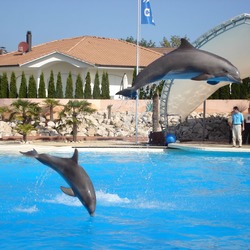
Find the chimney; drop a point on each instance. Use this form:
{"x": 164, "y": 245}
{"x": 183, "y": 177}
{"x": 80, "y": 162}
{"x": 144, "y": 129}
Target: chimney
{"x": 29, "y": 40}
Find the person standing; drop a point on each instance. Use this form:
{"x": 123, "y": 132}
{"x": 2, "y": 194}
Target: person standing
{"x": 238, "y": 126}
{"x": 246, "y": 134}
{"x": 230, "y": 125}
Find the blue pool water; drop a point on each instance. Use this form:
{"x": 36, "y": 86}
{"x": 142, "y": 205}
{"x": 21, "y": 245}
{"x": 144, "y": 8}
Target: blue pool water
{"x": 164, "y": 200}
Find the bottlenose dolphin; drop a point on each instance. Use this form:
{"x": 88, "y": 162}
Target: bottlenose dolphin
{"x": 186, "y": 62}
{"x": 78, "y": 180}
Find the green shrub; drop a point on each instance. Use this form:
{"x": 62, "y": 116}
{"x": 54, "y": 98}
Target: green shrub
{"x": 51, "y": 86}
{"x": 87, "y": 89}
{"x": 23, "y": 87}
{"x": 59, "y": 88}
{"x": 79, "y": 87}
{"x": 13, "y": 88}
{"x": 41, "y": 89}
{"x": 69, "y": 87}
{"x": 32, "y": 92}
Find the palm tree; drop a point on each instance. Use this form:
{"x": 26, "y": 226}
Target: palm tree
{"x": 3, "y": 110}
{"x": 71, "y": 110}
{"x": 155, "y": 115}
{"x": 51, "y": 103}
{"x": 25, "y": 112}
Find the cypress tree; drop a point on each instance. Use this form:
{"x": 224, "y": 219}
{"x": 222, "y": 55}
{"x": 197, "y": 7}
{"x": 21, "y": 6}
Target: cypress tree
{"x": 23, "y": 87}
{"x": 5, "y": 86}
{"x": 51, "y": 87}
{"x": 32, "y": 92}
{"x": 235, "y": 91}
{"x": 0, "y": 86}
{"x": 87, "y": 89}
{"x": 41, "y": 89}
{"x": 105, "y": 86}
{"x": 224, "y": 93}
{"x": 244, "y": 89}
{"x": 69, "y": 87}
{"x": 79, "y": 87}
{"x": 13, "y": 88}
{"x": 59, "y": 88}
{"x": 96, "y": 90}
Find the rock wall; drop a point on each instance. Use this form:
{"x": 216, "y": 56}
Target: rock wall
{"x": 213, "y": 128}
{"x": 122, "y": 124}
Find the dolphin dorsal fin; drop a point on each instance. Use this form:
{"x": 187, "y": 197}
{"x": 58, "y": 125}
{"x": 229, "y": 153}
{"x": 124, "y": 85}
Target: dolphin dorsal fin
{"x": 75, "y": 156}
{"x": 185, "y": 44}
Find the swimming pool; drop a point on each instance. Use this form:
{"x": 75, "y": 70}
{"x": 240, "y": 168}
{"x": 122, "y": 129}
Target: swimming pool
{"x": 145, "y": 200}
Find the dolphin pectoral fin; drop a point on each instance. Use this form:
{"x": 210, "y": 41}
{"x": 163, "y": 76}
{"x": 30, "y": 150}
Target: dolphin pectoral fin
{"x": 32, "y": 153}
{"x": 202, "y": 77}
{"x": 128, "y": 92}
{"x": 68, "y": 191}
{"x": 212, "y": 82}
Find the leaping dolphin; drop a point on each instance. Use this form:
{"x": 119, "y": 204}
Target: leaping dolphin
{"x": 186, "y": 62}
{"x": 78, "y": 180}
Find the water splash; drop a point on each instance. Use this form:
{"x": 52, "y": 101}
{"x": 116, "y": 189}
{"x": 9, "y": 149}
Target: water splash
{"x": 111, "y": 199}
{"x": 108, "y": 198}
{"x": 28, "y": 210}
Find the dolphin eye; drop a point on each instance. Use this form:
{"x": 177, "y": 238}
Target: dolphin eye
{"x": 225, "y": 70}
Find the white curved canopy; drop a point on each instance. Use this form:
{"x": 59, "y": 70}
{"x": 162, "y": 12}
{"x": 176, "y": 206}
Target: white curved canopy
{"x": 230, "y": 40}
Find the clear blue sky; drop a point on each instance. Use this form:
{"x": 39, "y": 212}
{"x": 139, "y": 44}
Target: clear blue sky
{"x": 50, "y": 20}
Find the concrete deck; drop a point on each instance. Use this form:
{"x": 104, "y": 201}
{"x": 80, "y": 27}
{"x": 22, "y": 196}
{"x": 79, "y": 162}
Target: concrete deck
{"x": 208, "y": 146}
{"x": 54, "y": 146}
{"x": 110, "y": 145}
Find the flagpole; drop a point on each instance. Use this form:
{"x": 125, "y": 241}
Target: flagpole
{"x": 137, "y": 68}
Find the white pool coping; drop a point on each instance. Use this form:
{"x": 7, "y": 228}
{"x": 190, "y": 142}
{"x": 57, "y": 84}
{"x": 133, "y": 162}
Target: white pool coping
{"x": 209, "y": 147}
{"x": 16, "y": 148}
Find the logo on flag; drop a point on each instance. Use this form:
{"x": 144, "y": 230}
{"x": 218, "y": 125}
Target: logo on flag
{"x": 146, "y": 13}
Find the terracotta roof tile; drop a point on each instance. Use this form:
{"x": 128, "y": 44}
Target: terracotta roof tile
{"x": 94, "y": 50}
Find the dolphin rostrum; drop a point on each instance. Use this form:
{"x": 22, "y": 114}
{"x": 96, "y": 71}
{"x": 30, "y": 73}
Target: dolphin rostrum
{"x": 78, "y": 180}
{"x": 186, "y": 62}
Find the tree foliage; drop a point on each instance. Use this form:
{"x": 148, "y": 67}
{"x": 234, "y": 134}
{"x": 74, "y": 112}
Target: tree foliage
{"x": 71, "y": 111}
{"x": 59, "y": 87}
{"x": 87, "y": 89}
{"x": 174, "y": 41}
{"x": 51, "y": 86}
{"x": 79, "y": 87}
{"x": 26, "y": 113}
{"x": 42, "y": 89}
{"x": 96, "y": 89}
{"x": 4, "y": 86}
{"x": 32, "y": 90}
{"x": 51, "y": 103}
{"x": 105, "y": 86}
{"x": 23, "y": 87}
{"x": 13, "y": 88}
{"x": 143, "y": 42}
{"x": 238, "y": 91}
{"x": 69, "y": 87}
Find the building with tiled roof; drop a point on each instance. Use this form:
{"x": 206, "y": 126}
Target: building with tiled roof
{"x": 77, "y": 55}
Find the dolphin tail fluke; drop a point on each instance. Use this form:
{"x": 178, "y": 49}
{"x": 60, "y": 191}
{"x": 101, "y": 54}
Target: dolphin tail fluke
{"x": 129, "y": 92}
{"x": 32, "y": 153}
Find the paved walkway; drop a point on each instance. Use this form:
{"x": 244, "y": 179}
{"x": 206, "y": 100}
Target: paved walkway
{"x": 50, "y": 146}
{"x": 209, "y": 146}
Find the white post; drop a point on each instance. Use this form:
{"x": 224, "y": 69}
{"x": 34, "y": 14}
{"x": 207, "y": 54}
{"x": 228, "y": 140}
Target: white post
{"x": 137, "y": 69}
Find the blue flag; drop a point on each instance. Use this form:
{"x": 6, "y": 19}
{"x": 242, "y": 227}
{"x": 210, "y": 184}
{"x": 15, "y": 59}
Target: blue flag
{"x": 146, "y": 13}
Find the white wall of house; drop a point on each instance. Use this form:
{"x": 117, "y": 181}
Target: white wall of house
{"x": 115, "y": 74}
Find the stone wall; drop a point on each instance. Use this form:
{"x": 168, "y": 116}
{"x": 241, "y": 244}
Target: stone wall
{"x": 122, "y": 124}
{"x": 213, "y": 128}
